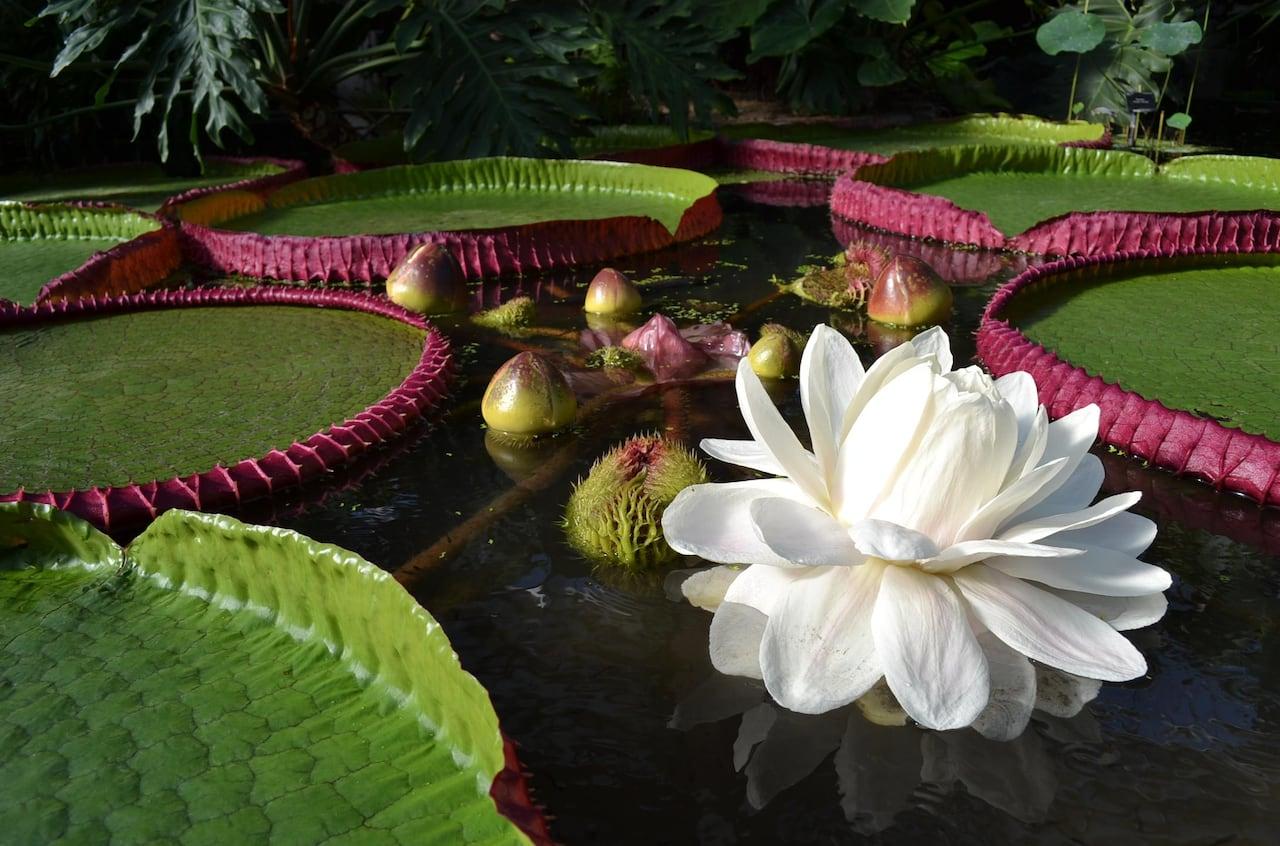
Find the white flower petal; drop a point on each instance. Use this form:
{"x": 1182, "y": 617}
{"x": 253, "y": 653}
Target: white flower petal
{"x": 818, "y": 653}
{"x": 934, "y": 342}
{"x": 1030, "y": 449}
{"x": 762, "y": 587}
{"x": 931, "y": 658}
{"x": 963, "y": 554}
{"x": 882, "y": 438}
{"x": 891, "y": 542}
{"x": 1101, "y": 571}
{"x": 883, "y": 370}
{"x": 772, "y": 432}
{"x": 1069, "y": 437}
{"x": 705, "y": 589}
{"x": 1034, "y": 530}
{"x": 1009, "y": 501}
{"x": 1013, "y": 691}
{"x": 957, "y": 466}
{"x": 1061, "y": 694}
{"x": 1047, "y": 628}
{"x": 830, "y": 373}
{"x": 972, "y": 379}
{"x": 1125, "y": 532}
{"x": 736, "y": 631}
{"x": 803, "y": 535}
{"x": 1122, "y": 613}
{"x": 747, "y": 454}
{"x": 714, "y": 521}
{"x": 1019, "y": 388}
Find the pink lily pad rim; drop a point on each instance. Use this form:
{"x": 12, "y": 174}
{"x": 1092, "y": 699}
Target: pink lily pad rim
{"x": 114, "y": 507}
{"x": 1173, "y": 439}
{"x": 859, "y": 198}
{"x": 291, "y": 170}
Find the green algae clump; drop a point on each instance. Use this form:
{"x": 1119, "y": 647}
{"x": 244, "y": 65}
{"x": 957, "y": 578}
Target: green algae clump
{"x": 511, "y": 315}
{"x": 614, "y": 515}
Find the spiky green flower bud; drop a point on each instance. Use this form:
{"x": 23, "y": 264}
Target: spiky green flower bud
{"x": 614, "y": 515}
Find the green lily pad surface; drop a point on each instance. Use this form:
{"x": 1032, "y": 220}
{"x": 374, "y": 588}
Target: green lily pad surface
{"x": 973, "y": 129}
{"x": 221, "y": 683}
{"x": 475, "y": 194}
{"x": 150, "y": 395}
{"x": 141, "y": 186}
{"x": 1199, "y": 336}
{"x": 39, "y": 243}
{"x": 1018, "y": 187}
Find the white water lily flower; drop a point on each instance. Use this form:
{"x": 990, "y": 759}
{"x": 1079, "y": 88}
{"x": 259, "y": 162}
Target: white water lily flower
{"x": 938, "y": 535}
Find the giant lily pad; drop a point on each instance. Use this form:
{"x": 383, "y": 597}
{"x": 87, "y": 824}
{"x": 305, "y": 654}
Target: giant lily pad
{"x": 1180, "y": 352}
{"x": 1016, "y": 197}
{"x": 118, "y": 409}
{"x": 145, "y": 186}
{"x": 886, "y": 141}
{"x": 219, "y": 682}
{"x": 499, "y": 215}
{"x": 41, "y": 243}
{"x": 652, "y": 145}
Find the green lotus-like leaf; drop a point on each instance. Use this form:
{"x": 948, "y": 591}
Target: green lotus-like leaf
{"x": 1117, "y": 322}
{"x": 41, "y": 242}
{"x": 146, "y": 395}
{"x": 974, "y": 129}
{"x": 1019, "y": 186}
{"x": 141, "y": 186}
{"x": 1170, "y": 39}
{"x": 219, "y": 682}
{"x": 1072, "y": 31}
{"x": 475, "y": 194}
{"x": 1178, "y": 120}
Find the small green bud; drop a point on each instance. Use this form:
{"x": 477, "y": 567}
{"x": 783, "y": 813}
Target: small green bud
{"x": 610, "y": 292}
{"x": 528, "y": 396}
{"x": 909, "y": 293}
{"x": 428, "y": 281}
{"x": 775, "y": 356}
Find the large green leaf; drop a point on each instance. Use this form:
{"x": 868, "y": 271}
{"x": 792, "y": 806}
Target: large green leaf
{"x": 151, "y": 395}
{"x": 220, "y": 682}
{"x": 197, "y": 53}
{"x": 789, "y": 26}
{"x": 1170, "y": 38}
{"x": 1073, "y": 31}
{"x": 1018, "y": 187}
{"x": 38, "y": 243}
{"x": 476, "y": 194}
{"x": 1146, "y": 327}
{"x": 889, "y": 11}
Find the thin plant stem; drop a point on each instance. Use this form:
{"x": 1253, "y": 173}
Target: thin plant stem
{"x": 1191, "y": 89}
{"x": 1075, "y": 76}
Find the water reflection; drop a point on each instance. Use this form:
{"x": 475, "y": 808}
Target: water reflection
{"x": 883, "y": 770}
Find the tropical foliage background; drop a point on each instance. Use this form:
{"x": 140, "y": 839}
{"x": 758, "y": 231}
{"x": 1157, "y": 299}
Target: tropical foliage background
{"x": 474, "y": 77}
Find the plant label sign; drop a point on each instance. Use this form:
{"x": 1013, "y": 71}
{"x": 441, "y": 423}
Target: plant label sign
{"x": 1141, "y": 102}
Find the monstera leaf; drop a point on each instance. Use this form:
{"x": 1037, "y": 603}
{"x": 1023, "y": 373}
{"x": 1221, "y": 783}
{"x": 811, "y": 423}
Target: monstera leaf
{"x": 219, "y": 681}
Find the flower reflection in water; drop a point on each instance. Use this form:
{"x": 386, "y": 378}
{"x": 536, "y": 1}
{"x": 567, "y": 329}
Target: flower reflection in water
{"x": 883, "y": 766}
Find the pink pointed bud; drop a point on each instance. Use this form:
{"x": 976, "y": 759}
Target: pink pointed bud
{"x": 428, "y": 281}
{"x": 909, "y": 293}
{"x": 611, "y": 293}
{"x": 666, "y": 353}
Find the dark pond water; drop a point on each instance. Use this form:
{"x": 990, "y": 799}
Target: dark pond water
{"x": 587, "y": 672}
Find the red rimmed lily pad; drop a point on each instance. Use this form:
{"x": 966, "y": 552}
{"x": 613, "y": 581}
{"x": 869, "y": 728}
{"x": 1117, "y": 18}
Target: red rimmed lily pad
{"x": 1052, "y": 200}
{"x": 497, "y": 216}
{"x": 119, "y": 409}
{"x": 1178, "y": 349}
{"x": 147, "y": 186}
